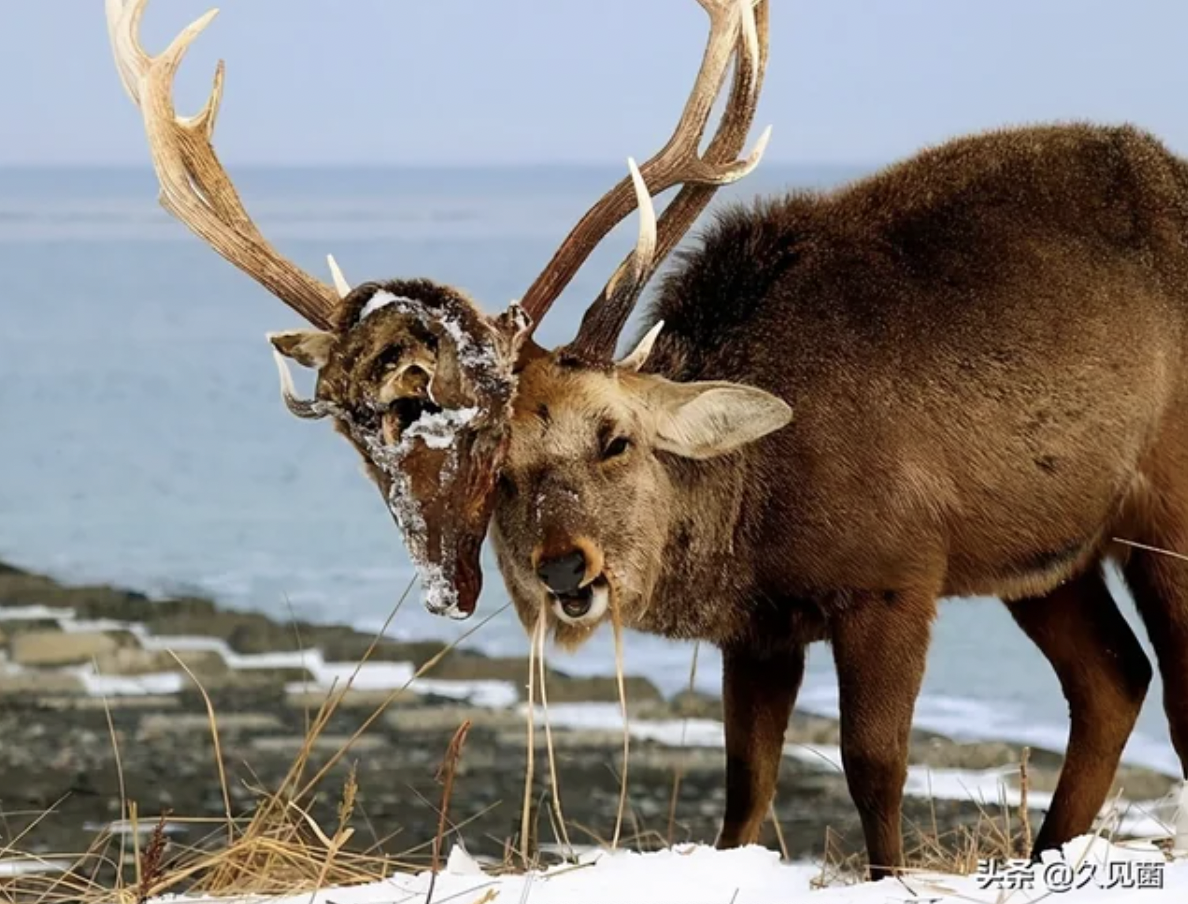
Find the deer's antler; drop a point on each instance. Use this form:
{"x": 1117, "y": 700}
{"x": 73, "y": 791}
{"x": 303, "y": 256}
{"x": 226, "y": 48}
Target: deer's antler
{"x": 194, "y": 186}
{"x": 738, "y": 32}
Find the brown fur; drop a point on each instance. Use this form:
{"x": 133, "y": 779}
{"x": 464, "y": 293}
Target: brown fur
{"x": 983, "y": 350}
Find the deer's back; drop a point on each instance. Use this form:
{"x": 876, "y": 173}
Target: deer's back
{"x": 981, "y": 345}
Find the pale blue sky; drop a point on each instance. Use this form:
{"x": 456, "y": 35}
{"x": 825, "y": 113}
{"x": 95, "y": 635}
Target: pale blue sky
{"x": 589, "y": 81}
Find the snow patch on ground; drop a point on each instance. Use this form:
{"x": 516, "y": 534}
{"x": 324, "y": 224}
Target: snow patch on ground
{"x": 967, "y": 719}
{"x": 487, "y": 694}
{"x": 146, "y": 828}
{"x": 129, "y": 685}
{"x": 1139, "y": 819}
{"x": 701, "y": 875}
{"x": 33, "y": 613}
{"x": 324, "y": 676}
{"x": 13, "y": 867}
{"x": 399, "y": 675}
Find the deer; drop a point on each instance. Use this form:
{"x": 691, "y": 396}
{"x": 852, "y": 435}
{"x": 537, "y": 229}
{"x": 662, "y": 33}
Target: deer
{"x": 957, "y": 376}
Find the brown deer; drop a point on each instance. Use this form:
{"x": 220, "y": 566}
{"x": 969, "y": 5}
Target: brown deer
{"x": 982, "y": 349}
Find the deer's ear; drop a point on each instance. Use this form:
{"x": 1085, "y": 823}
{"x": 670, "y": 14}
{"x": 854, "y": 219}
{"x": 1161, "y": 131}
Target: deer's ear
{"x": 310, "y": 348}
{"x": 702, "y": 420}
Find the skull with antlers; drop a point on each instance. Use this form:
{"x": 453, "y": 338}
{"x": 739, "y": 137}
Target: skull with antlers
{"x": 412, "y": 372}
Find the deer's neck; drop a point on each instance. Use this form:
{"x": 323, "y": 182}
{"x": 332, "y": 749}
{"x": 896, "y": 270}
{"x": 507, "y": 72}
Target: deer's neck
{"x": 705, "y": 576}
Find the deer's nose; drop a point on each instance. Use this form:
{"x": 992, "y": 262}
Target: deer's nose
{"x": 563, "y": 574}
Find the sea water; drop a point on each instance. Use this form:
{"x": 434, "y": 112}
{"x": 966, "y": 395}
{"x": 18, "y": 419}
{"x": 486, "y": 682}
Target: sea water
{"x": 143, "y": 440}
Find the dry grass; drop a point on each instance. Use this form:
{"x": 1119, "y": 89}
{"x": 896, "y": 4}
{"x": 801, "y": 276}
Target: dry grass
{"x": 954, "y": 852}
{"x": 445, "y": 775}
{"x": 526, "y": 834}
{"x": 279, "y": 848}
{"x": 678, "y": 773}
{"x": 617, "y": 624}
{"x": 558, "y": 816}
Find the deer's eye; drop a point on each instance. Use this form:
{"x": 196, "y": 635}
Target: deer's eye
{"x": 615, "y": 447}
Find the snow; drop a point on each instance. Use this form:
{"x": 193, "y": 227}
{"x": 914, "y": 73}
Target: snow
{"x": 184, "y": 643}
{"x": 129, "y": 685}
{"x": 324, "y": 676}
{"x": 701, "y": 875}
{"x": 370, "y": 676}
{"x": 1180, "y": 819}
{"x": 488, "y": 694}
{"x": 438, "y": 430}
{"x": 441, "y": 597}
{"x": 1140, "y": 819}
{"x": 125, "y": 827}
{"x": 32, "y": 613}
{"x": 385, "y": 676}
{"x": 380, "y": 299}
{"x": 12, "y": 867}
{"x": 994, "y": 719}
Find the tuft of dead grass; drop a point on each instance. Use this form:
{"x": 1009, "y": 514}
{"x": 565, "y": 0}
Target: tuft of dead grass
{"x": 278, "y": 848}
{"x": 678, "y": 774}
{"x": 560, "y": 831}
{"x": 617, "y": 625}
{"x": 954, "y": 852}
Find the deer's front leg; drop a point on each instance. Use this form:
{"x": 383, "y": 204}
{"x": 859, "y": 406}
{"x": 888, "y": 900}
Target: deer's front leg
{"x": 880, "y": 645}
{"x": 757, "y": 695}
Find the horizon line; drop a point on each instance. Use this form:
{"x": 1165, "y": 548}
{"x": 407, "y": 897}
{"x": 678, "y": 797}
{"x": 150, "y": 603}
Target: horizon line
{"x": 461, "y": 165}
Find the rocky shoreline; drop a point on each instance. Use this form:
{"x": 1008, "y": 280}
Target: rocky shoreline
{"x": 68, "y": 744}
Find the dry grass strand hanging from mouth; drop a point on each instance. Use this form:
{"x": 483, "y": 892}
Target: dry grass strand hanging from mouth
{"x": 679, "y": 773}
{"x": 544, "y": 704}
{"x": 617, "y": 623}
{"x": 530, "y": 767}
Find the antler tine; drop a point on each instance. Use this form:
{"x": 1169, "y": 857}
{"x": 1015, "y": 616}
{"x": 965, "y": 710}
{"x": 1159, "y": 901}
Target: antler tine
{"x": 732, "y": 27}
{"x": 194, "y": 186}
{"x": 631, "y": 271}
{"x": 130, "y": 59}
{"x": 603, "y": 322}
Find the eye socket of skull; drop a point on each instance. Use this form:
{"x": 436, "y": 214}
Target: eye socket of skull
{"x": 408, "y": 349}
{"x": 450, "y": 386}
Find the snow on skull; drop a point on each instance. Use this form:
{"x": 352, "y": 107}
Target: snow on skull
{"x": 421, "y": 382}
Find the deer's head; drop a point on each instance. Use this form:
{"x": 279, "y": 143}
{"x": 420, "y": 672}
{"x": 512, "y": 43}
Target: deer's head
{"x": 424, "y": 384}
{"x": 586, "y": 497}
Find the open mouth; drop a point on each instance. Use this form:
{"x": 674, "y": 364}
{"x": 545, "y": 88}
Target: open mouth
{"x": 586, "y": 603}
